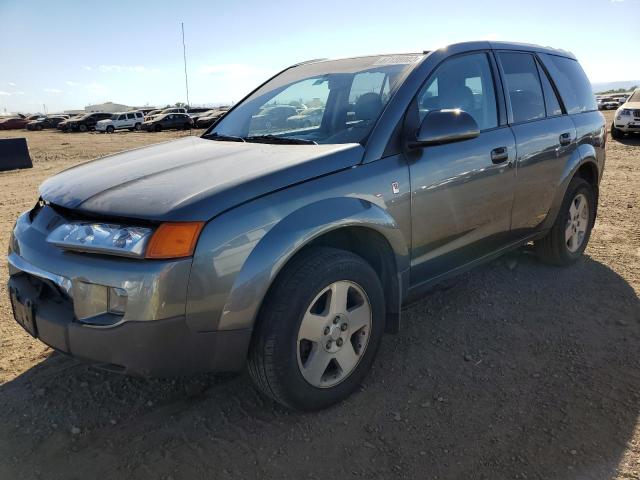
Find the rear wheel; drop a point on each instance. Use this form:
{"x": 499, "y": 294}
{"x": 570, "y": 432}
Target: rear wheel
{"x": 187, "y": 126}
{"x": 82, "y": 127}
{"x": 137, "y": 127}
{"x": 319, "y": 329}
{"x": 616, "y": 133}
{"x": 157, "y": 128}
{"x": 568, "y": 238}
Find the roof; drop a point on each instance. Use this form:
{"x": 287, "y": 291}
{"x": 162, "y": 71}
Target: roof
{"x": 473, "y": 45}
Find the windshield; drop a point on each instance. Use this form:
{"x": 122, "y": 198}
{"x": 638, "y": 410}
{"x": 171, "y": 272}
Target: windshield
{"x": 114, "y": 116}
{"x": 347, "y": 95}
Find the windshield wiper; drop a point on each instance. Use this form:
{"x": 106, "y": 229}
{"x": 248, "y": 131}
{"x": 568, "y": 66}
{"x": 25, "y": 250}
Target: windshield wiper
{"x": 280, "y": 140}
{"x": 224, "y": 138}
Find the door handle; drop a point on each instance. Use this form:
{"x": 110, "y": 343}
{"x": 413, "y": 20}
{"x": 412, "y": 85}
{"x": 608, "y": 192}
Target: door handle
{"x": 499, "y": 155}
{"x": 565, "y": 139}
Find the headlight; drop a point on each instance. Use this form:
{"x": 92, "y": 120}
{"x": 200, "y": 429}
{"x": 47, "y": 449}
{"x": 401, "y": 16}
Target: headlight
{"x": 102, "y": 238}
{"x": 169, "y": 240}
{"x": 625, "y": 112}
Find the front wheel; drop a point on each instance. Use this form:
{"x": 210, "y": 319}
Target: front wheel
{"x": 568, "y": 238}
{"x": 82, "y": 128}
{"x": 319, "y": 329}
{"x": 110, "y": 129}
{"x": 158, "y": 128}
{"x": 616, "y": 133}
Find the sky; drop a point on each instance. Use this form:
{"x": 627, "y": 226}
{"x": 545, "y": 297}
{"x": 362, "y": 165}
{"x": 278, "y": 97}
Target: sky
{"x": 66, "y": 54}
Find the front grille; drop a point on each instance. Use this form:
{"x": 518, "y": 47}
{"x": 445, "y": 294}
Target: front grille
{"x": 636, "y": 113}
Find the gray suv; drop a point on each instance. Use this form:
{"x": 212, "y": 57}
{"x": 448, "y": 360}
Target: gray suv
{"x": 291, "y": 249}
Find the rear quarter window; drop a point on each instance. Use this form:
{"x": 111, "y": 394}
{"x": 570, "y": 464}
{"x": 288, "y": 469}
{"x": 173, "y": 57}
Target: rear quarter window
{"x": 572, "y": 82}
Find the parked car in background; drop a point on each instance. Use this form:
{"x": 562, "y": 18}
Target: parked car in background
{"x": 83, "y": 123}
{"x": 168, "y": 121}
{"x": 273, "y": 117}
{"x": 309, "y": 117}
{"x": 627, "y": 118}
{"x": 151, "y": 114}
{"x": 121, "y": 121}
{"x": 196, "y": 111}
{"x": 208, "y": 118}
{"x": 607, "y": 103}
{"x": 45, "y": 122}
{"x": 14, "y": 123}
{"x": 145, "y": 111}
{"x": 33, "y": 117}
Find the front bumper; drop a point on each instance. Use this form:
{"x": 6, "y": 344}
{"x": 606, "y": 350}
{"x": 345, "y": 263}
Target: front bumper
{"x": 153, "y": 338}
{"x": 160, "y": 348}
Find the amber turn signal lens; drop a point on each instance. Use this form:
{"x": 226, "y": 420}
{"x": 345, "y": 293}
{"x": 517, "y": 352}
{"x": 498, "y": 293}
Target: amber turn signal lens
{"x": 174, "y": 240}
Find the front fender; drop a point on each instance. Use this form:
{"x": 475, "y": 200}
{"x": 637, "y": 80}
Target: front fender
{"x": 291, "y": 234}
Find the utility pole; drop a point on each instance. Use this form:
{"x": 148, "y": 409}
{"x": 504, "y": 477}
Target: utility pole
{"x": 184, "y": 54}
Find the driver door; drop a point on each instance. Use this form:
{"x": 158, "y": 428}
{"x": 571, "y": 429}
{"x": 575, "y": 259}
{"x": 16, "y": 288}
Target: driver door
{"x": 461, "y": 192}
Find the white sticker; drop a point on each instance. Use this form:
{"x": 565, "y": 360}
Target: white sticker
{"x": 397, "y": 59}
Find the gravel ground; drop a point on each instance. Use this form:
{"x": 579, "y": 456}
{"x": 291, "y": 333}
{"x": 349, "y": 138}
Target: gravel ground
{"x": 514, "y": 370}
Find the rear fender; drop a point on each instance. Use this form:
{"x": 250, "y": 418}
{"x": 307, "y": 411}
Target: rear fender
{"x": 584, "y": 154}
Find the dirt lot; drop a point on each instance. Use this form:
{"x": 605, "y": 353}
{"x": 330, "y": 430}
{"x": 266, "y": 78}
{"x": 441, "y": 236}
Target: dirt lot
{"x": 518, "y": 371}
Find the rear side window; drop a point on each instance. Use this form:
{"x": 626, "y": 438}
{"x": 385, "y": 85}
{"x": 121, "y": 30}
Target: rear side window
{"x": 130, "y": 116}
{"x": 551, "y": 102}
{"x": 523, "y": 84}
{"x": 572, "y": 82}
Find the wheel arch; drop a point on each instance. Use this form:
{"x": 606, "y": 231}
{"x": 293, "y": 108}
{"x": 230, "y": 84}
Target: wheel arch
{"x": 582, "y": 164}
{"x": 351, "y": 224}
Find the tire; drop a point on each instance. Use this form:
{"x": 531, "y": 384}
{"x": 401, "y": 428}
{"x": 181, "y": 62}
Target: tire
{"x": 82, "y": 127}
{"x": 110, "y": 129}
{"x": 137, "y": 127}
{"x": 554, "y": 248}
{"x": 280, "y": 362}
{"x": 187, "y": 126}
{"x": 616, "y": 133}
{"x": 157, "y": 128}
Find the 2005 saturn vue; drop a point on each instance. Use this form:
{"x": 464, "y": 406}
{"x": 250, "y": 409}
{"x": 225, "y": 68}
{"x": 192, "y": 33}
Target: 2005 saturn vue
{"x": 291, "y": 250}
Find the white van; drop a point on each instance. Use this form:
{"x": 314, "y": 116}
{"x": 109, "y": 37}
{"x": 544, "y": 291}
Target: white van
{"x": 119, "y": 121}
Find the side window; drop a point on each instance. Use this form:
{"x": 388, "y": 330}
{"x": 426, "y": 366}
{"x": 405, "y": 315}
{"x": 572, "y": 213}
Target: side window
{"x": 367, "y": 96}
{"x": 139, "y": 114}
{"x": 130, "y": 116}
{"x": 463, "y": 82}
{"x": 523, "y": 84}
{"x": 572, "y": 82}
{"x": 122, "y": 117}
{"x": 551, "y": 102}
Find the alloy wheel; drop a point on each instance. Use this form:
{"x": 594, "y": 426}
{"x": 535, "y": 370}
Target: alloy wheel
{"x": 577, "y": 223}
{"x": 334, "y": 334}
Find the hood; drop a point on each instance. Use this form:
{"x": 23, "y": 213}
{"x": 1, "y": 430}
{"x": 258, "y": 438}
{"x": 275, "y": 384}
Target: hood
{"x": 106, "y": 121}
{"x": 631, "y": 105}
{"x": 191, "y": 179}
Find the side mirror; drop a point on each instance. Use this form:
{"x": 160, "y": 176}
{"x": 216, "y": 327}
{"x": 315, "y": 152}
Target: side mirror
{"x": 445, "y": 126}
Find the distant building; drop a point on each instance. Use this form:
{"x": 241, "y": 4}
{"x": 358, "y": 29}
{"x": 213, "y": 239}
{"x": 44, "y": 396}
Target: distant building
{"x": 107, "y": 107}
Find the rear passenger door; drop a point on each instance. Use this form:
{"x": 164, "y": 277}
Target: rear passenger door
{"x": 545, "y": 137}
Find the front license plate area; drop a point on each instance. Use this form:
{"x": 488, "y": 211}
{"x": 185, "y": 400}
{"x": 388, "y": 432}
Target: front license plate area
{"x": 24, "y": 310}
